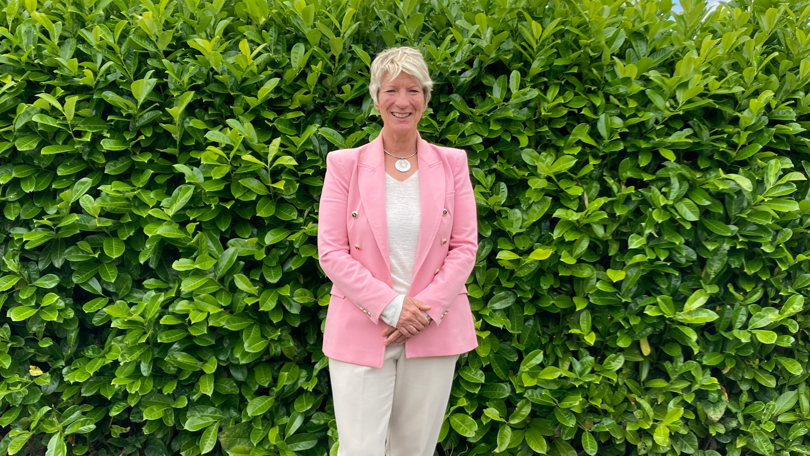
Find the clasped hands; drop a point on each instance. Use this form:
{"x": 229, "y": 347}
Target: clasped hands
{"x": 411, "y": 322}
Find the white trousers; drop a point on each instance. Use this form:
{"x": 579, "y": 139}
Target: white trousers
{"x": 396, "y": 410}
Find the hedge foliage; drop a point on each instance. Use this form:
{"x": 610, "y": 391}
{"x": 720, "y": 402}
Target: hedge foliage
{"x": 641, "y": 182}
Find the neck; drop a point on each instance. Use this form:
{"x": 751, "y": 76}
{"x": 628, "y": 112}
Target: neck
{"x": 400, "y": 145}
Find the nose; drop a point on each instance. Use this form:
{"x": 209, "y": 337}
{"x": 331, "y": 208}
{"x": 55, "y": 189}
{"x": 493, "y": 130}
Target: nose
{"x": 402, "y": 99}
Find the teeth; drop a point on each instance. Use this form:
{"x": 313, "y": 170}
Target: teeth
{"x": 400, "y": 115}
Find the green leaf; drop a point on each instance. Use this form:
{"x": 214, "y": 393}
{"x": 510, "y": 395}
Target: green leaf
{"x": 697, "y": 316}
{"x": 463, "y": 424}
{"x": 471, "y": 375}
{"x": 565, "y": 417}
{"x": 27, "y": 143}
{"x": 114, "y": 247}
{"x": 18, "y": 442}
{"x": 255, "y": 186}
{"x": 688, "y": 210}
{"x": 301, "y": 442}
{"x": 661, "y": 435}
{"x": 764, "y": 336}
{"x": 47, "y": 281}
{"x": 765, "y": 378}
{"x": 696, "y": 300}
{"x": 206, "y": 383}
{"x": 536, "y": 440}
{"x": 603, "y": 125}
{"x": 502, "y": 300}
{"x": 172, "y": 335}
{"x": 564, "y": 448}
{"x": 303, "y": 403}
{"x": 259, "y": 405}
{"x": 275, "y": 235}
{"x": 208, "y": 440}
{"x": 263, "y": 374}
{"x": 532, "y": 359}
{"x": 178, "y": 200}
{"x": 504, "y": 437}
{"x": 763, "y": 441}
{"x": 56, "y": 149}
{"x": 244, "y": 284}
{"x": 589, "y": 443}
{"x": 21, "y": 313}
{"x": 225, "y": 261}
{"x": 717, "y": 227}
{"x": 95, "y": 305}
{"x": 6, "y": 282}
{"x": 792, "y": 366}
{"x": 332, "y": 136}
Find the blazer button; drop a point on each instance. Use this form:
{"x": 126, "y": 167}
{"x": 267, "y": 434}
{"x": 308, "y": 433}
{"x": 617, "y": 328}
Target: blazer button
{"x": 444, "y": 241}
{"x": 435, "y": 272}
{"x": 354, "y": 214}
{"x": 357, "y": 246}
{"x": 444, "y": 212}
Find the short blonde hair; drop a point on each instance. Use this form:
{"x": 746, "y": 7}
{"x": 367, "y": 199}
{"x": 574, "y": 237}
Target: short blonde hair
{"x": 394, "y": 60}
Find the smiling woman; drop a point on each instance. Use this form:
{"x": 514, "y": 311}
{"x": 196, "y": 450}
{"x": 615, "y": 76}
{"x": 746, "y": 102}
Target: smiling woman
{"x": 397, "y": 236}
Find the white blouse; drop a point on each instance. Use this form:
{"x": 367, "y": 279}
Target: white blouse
{"x": 402, "y": 208}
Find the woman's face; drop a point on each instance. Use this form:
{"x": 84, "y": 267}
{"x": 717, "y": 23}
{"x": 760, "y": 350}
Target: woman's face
{"x": 401, "y": 103}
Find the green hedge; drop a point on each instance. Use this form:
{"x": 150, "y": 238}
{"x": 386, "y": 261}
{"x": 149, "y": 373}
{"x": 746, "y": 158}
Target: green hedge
{"x": 641, "y": 181}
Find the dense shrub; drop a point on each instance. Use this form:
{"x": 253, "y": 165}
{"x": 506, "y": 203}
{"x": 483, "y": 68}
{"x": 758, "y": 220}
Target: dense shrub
{"x": 642, "y": 193}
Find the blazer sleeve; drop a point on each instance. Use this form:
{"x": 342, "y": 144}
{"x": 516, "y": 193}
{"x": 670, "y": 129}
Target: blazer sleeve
{"x": 460, "y": 260}
{"x": 368, "y": 293}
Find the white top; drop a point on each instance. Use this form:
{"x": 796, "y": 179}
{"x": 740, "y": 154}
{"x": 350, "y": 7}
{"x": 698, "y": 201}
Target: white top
{"x": 402, "y": 209}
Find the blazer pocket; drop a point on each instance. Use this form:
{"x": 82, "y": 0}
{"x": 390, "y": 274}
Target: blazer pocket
{"x": 336, "y": 292}
{"x": 449, "y": 202}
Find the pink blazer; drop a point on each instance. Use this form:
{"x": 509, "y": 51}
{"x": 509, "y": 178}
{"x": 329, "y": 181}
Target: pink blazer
{"x": 353, "y": 252}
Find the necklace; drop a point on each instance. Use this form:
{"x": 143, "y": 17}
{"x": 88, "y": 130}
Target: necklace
{"x": 402, "y": 165}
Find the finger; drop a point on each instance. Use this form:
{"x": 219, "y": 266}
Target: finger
{"x": 418, "y": 319}
{"x": 410, "y": 329}
{"x": 388, "y": 330}
{"x": 401, "y": 339}
{"x": 390, "y": 340}
{"x": 413, "y": 324}
{"x": 422, "y": 319}
{"x": 421, "y": 305}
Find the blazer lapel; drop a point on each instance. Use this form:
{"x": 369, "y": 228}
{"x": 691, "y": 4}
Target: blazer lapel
{"x": 431, "y": 196}
{"x": 371, "y": 182}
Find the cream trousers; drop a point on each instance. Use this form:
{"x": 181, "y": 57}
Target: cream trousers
{"x": 396, "y": 410}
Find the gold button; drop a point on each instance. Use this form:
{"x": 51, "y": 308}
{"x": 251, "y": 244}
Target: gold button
{"x": 444, "y": 212}
{"x": 357, "y": 246}
{"x": 435, "y": 272}
{"x": 354, "y": 214}
{"x": 444, "y": 241}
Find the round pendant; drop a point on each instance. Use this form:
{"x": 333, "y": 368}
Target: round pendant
{"x": 403, "y": 166}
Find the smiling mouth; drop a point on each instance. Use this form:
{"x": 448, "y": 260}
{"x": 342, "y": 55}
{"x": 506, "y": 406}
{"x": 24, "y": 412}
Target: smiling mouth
{"x": 400, "y": 116}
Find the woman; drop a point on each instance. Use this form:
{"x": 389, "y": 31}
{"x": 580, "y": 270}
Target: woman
{"x": 397, "y": 236}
